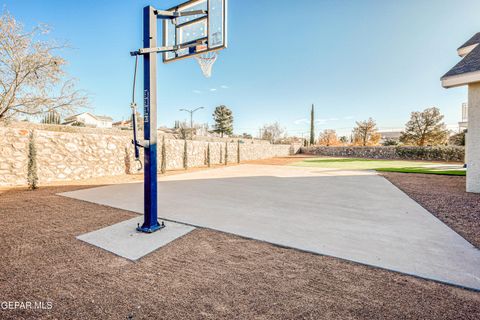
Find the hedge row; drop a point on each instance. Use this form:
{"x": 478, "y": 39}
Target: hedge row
{"x": 438, "y": 153}
{"x": 445, "y": 153}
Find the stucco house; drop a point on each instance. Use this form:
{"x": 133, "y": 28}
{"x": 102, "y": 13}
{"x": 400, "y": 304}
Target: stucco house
{"x": 89, "y": 120}
{"x": 463, "y": 124}
{"x": 393, "y": 135}
{"x": 123, "y": 124}
{"x": 467, "y": 73}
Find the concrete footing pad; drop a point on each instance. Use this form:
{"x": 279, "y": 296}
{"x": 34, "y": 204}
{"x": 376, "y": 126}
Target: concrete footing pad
{"x": 123, "y": 240}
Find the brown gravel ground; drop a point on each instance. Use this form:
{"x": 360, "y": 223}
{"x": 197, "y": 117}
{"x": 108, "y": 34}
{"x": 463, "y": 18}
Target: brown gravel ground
{"x": 446, "y": 198}
{"x": 203, "y": 275}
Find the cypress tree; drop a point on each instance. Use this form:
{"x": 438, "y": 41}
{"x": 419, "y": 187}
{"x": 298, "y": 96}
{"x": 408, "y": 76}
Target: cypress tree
{"x": 51, "y": 117}
{"x": 208, "y": 155}
{"x": 163, "y": 167}
{"x": 128, "y": 163}
{"x": 226, "y": 153}
{"x": 185, "y": 155}
{"x": 238, "y": 151}
{"x": 312, "y": 125}
{"x": 32, "y": 176}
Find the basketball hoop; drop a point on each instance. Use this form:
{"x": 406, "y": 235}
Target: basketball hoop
{"x": 206, "y": 61}
{"x": 196, "y": 28}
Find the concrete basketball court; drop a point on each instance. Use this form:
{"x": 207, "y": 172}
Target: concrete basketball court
{"x": 353, "y": 215}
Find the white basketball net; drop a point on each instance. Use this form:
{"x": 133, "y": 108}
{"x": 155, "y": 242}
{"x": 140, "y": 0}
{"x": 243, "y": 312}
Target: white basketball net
{"x": 206, "y": 61}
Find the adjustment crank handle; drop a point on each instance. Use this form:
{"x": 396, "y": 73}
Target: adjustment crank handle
{"x": 141, "y": 143}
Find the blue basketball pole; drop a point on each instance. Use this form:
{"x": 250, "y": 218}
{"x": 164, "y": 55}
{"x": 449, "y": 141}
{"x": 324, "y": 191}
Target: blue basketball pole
{"x": 150, "y": 223}
{"x": 149, "y": 53}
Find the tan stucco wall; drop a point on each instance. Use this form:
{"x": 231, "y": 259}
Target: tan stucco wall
{"x": 473, "y": 141}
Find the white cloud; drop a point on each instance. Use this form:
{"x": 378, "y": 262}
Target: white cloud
{"x": 325, "y": 120}
{"x": 224, "y": 86}
{"x": 213, "y": 89}
{"x": 197, "y": 91}
{"x": 300, "y": 121}
{"x": 319, "y": 121}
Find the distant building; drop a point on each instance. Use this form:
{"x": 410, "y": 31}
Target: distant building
{"x": 199, "y": 129}
{"x": 88, "y": 119}
{"x": 463, "y": 125}
{"x": 390, "y": 135}
{"x": 124, "y": 124}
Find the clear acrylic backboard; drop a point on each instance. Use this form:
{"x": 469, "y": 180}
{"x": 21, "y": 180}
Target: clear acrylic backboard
{"x": 208, "y": 29}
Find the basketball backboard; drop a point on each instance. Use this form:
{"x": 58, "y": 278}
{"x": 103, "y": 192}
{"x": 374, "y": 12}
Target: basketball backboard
{"x": 209, "y": 29}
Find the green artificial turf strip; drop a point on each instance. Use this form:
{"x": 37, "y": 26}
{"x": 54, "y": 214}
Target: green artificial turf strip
{"x": 358, "y": 164}
{"x": 340, "y": 160}
{"x": 424, "y": 171}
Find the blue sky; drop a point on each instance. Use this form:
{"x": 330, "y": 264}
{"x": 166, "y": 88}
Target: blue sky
{"x": 353, "y": 59}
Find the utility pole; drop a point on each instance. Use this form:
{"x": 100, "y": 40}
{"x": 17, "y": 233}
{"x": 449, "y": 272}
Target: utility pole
{"x": 191, "y": 119}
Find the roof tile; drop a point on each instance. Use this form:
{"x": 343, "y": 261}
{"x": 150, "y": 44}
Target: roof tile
{"x": 473, "y": 40}
{"x": 470, "y": 63}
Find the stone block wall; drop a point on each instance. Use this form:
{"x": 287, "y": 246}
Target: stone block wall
{"x": 13, "y": 157}
{"x": 82, "y": 155}
{"x": 440, "y": 153}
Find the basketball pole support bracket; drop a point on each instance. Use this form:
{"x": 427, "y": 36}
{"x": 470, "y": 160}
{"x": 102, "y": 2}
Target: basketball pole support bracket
{"x": 185, "y": 45}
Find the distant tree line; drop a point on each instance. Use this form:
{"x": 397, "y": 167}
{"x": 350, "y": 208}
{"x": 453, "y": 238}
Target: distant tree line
{"x": 425, "y": 128}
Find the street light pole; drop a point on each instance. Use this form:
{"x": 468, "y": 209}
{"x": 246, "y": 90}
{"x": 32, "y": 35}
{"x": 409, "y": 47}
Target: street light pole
{"x": 192, "y": 111}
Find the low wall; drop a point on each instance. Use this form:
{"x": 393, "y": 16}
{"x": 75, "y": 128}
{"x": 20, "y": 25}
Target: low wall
{"x": 440, "y": 153}
{"x": 82, "y": 155}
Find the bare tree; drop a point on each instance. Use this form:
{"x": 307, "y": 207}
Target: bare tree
{"x": 328, "y": 138}
{"x": 365, "y": 133}
{"x": 273, "y": 132}
{"x": 32, "y": 79}
{"x": 425, "y": 128}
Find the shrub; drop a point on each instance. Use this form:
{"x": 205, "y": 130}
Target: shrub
{"x": 390, "y": 142}
{"x": 185, "y": 155}
{"x": 128, "y": 163}
{"x": 446, "y": 153}
{"x": 458, "y": 139}
{"x": 163, "y": 166}
{"x": 32, "y": 176}
{"x": 208, "y": 155}
{"x": 226, "y": 153}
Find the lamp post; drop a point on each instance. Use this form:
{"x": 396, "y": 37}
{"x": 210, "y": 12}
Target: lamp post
{"x": 192, "y": 111}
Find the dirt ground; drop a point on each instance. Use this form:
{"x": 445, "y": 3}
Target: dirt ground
{"x": 281, "y": 160}
{"x": 203, "y": 275}
{"x": 446, "y": 198}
